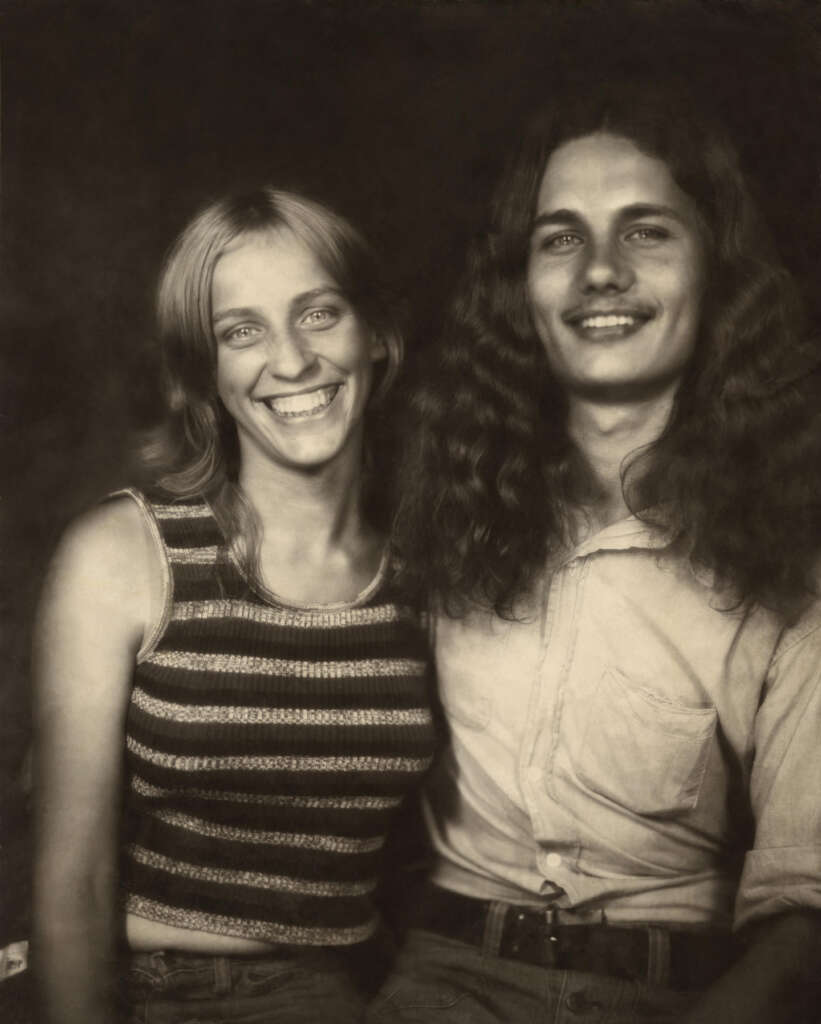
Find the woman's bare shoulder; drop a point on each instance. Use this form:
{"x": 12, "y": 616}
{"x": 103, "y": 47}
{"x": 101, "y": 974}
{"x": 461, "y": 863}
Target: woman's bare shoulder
{"x": 108, "y": 557}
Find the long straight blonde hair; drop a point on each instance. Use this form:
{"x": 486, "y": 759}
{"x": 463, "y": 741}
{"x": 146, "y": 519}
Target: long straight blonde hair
{"x": 194, "y": 450}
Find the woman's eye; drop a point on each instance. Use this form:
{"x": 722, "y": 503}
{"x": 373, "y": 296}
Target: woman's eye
{"x": 321, "y": 318}
{"x": 244, "y": 334}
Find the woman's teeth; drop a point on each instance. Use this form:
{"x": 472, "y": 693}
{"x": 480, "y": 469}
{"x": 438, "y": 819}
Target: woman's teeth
{"x": 307, "y": 403}
{"x": 610, "y": 320}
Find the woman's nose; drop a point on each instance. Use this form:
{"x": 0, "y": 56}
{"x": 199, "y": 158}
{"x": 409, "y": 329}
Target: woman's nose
{"x": 288, "y": 356}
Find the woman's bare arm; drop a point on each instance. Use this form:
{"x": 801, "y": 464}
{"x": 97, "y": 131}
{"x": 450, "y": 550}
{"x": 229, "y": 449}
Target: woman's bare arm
{"x": 93, "y": 614}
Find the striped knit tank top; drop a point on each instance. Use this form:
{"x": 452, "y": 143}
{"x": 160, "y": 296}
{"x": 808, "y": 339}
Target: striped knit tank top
{"x": 267, "y": 748}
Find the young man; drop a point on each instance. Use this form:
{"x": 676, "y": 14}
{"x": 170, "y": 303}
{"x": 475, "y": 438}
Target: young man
{"x": 614, "y": 500}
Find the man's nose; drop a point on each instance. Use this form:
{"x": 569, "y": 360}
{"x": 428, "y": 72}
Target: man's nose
{"x": 606, "y": 268}
{"x": 288, "y": 355}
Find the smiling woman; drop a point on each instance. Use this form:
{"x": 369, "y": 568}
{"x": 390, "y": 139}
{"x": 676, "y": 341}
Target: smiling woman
{"x": 231, "y": 700}
{"x": 294, "y": 363}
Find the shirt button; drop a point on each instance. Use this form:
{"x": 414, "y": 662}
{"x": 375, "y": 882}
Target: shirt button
{"x": 553, "y": 860}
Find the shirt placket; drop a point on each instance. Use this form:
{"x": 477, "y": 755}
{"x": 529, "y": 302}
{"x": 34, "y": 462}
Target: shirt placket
{"x": 558, "y": 636}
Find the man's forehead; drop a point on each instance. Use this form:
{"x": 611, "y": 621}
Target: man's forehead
{"x": 604, "y": 171}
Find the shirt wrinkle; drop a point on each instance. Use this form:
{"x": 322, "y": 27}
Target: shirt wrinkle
{"x": 625, "y": 715}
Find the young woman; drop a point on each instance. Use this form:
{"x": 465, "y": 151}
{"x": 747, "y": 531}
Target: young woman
{"x": 231, "y": 701}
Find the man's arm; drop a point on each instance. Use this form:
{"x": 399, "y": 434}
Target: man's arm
{"x": 778, "y": 906}
{"x": 776, "y": 980}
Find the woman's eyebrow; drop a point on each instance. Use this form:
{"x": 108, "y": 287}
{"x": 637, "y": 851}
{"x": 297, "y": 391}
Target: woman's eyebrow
{"x": 237, "y": 312}
{"x": 314, "y": 293}
{"x": 233, "y": 313}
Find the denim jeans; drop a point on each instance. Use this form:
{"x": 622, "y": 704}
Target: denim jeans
{"x": 442, "y": 981}
{"x": 187, "y": 988}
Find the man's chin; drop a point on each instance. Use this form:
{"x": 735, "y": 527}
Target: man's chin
{"x": 623, "y": 392}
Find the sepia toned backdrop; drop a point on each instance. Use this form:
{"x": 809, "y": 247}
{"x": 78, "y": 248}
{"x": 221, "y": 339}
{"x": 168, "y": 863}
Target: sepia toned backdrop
{"x": 119, "y": 118}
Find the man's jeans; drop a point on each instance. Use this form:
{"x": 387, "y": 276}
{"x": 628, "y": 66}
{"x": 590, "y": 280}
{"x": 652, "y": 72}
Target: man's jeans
{"x": 438, "y": 979}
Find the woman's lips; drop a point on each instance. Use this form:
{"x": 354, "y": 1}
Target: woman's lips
{"x": 303, "y": 404}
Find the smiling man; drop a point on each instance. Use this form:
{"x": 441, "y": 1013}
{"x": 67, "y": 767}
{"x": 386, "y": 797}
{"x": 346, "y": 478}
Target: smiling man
{"x": 613, "y": 499}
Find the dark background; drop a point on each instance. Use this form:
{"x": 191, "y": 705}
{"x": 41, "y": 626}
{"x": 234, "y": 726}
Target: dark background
{"x": 120, "y": 118}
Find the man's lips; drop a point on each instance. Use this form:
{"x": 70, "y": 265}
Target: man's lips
{"x": 610, "y": 321}
{"x": 302, "y": 403}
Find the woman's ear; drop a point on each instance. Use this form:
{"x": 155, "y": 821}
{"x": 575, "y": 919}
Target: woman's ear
{"x": 379, "y": 350}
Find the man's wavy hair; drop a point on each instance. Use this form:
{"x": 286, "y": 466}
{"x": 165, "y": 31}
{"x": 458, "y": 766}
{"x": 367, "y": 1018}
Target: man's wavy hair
{"x": 734, "y": 478}
{"x": 194, "y": 451}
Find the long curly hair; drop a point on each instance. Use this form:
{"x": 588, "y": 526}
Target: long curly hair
{"x": 194, "y": 450}
{"x": 490, "y": 470}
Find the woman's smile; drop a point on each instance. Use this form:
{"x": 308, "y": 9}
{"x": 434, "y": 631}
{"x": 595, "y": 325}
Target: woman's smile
{"x": 304, "y": 404}
{"x": 294, "y": 362}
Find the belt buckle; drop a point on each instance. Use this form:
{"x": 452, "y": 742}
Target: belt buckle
{"x": 551, "y": 939}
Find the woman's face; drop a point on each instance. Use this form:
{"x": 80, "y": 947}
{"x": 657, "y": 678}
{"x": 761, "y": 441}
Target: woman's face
{"x": 294, "y": 362}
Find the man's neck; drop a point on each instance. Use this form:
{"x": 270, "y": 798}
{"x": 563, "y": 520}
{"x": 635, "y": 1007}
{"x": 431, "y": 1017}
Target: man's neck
{"x": 606, "y": 433}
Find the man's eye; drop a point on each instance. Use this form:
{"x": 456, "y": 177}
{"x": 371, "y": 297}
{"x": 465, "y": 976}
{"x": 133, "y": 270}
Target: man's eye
{"x": 563, "y": 241}
{"x": 648, "y": 234}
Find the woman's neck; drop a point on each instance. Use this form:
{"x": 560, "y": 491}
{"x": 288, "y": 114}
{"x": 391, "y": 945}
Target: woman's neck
{"x": 314, "y": 511}
{"x": 314, "y": 544}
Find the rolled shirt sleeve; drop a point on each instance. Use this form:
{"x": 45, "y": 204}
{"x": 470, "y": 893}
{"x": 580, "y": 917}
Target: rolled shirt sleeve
{"x": 782, "y": 871}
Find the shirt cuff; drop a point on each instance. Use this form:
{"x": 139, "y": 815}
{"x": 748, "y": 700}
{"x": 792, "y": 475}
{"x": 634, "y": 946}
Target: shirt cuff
{"x": 778, "y": 880}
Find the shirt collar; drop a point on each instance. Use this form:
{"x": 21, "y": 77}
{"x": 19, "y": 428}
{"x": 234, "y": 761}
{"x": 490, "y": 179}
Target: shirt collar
{"x": 623, "y": 535}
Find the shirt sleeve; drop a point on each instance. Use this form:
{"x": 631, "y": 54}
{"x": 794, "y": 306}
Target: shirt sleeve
{"x": 783, "y": 870}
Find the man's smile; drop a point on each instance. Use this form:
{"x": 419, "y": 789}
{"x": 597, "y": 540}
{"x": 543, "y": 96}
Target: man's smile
{"x": 607, "y": 323}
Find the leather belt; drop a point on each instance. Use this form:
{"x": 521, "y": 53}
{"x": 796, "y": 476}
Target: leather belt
{"x": 535, "y": 935}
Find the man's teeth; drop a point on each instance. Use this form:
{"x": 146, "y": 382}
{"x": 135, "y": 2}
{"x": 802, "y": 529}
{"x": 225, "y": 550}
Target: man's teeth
{"x": 308, "y": 403}
{"x": 610, "y": 320}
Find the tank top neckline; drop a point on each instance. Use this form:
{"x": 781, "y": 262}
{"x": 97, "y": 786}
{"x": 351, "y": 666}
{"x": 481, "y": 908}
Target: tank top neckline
{"x": 272, "y": 598}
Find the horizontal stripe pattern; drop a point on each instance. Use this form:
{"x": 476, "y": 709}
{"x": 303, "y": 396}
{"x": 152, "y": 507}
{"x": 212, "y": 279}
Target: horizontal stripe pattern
{"x": 191, "y": 661}
{"x": 186, "y": 511}
{"x": 332, "y": 844}
{"x": 247, "y": 927}
{"x": 267, "y": 748}
{"x": 209, "y": 713}
{"x": 193, "y": 556}
{"x": 323, "y": 803}
{"x": 277, "y": 762}
{"x": 250, "y": 879}
{"x": 311, "y": 618}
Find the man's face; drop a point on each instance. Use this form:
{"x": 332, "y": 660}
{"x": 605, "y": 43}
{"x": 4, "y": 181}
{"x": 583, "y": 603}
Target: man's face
{"x": 615, "y": 272}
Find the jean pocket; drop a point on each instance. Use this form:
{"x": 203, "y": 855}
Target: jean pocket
{"x": 267, "y": 976}
{"x": 644, "y": 751}
{"x": 417, "y": 995}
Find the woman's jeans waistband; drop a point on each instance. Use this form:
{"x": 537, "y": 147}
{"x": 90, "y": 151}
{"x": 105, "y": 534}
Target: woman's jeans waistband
{"x": 289, "y": 985}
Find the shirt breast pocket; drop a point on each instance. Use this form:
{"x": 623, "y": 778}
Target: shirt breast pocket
{"x": 644, "y": 751}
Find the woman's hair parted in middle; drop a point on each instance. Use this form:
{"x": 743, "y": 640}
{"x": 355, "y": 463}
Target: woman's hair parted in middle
{"x": 194, "y": 450}
{"x": 490, "y": 468}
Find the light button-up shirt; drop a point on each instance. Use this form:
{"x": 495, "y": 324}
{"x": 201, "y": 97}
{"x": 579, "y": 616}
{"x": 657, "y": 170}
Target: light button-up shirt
{"x": 631, "y": 746}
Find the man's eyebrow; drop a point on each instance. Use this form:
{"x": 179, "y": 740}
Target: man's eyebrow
{"x": 558, "y": 218}
{"x": 639, "y": 210}
{"x": 239, "y": 312}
